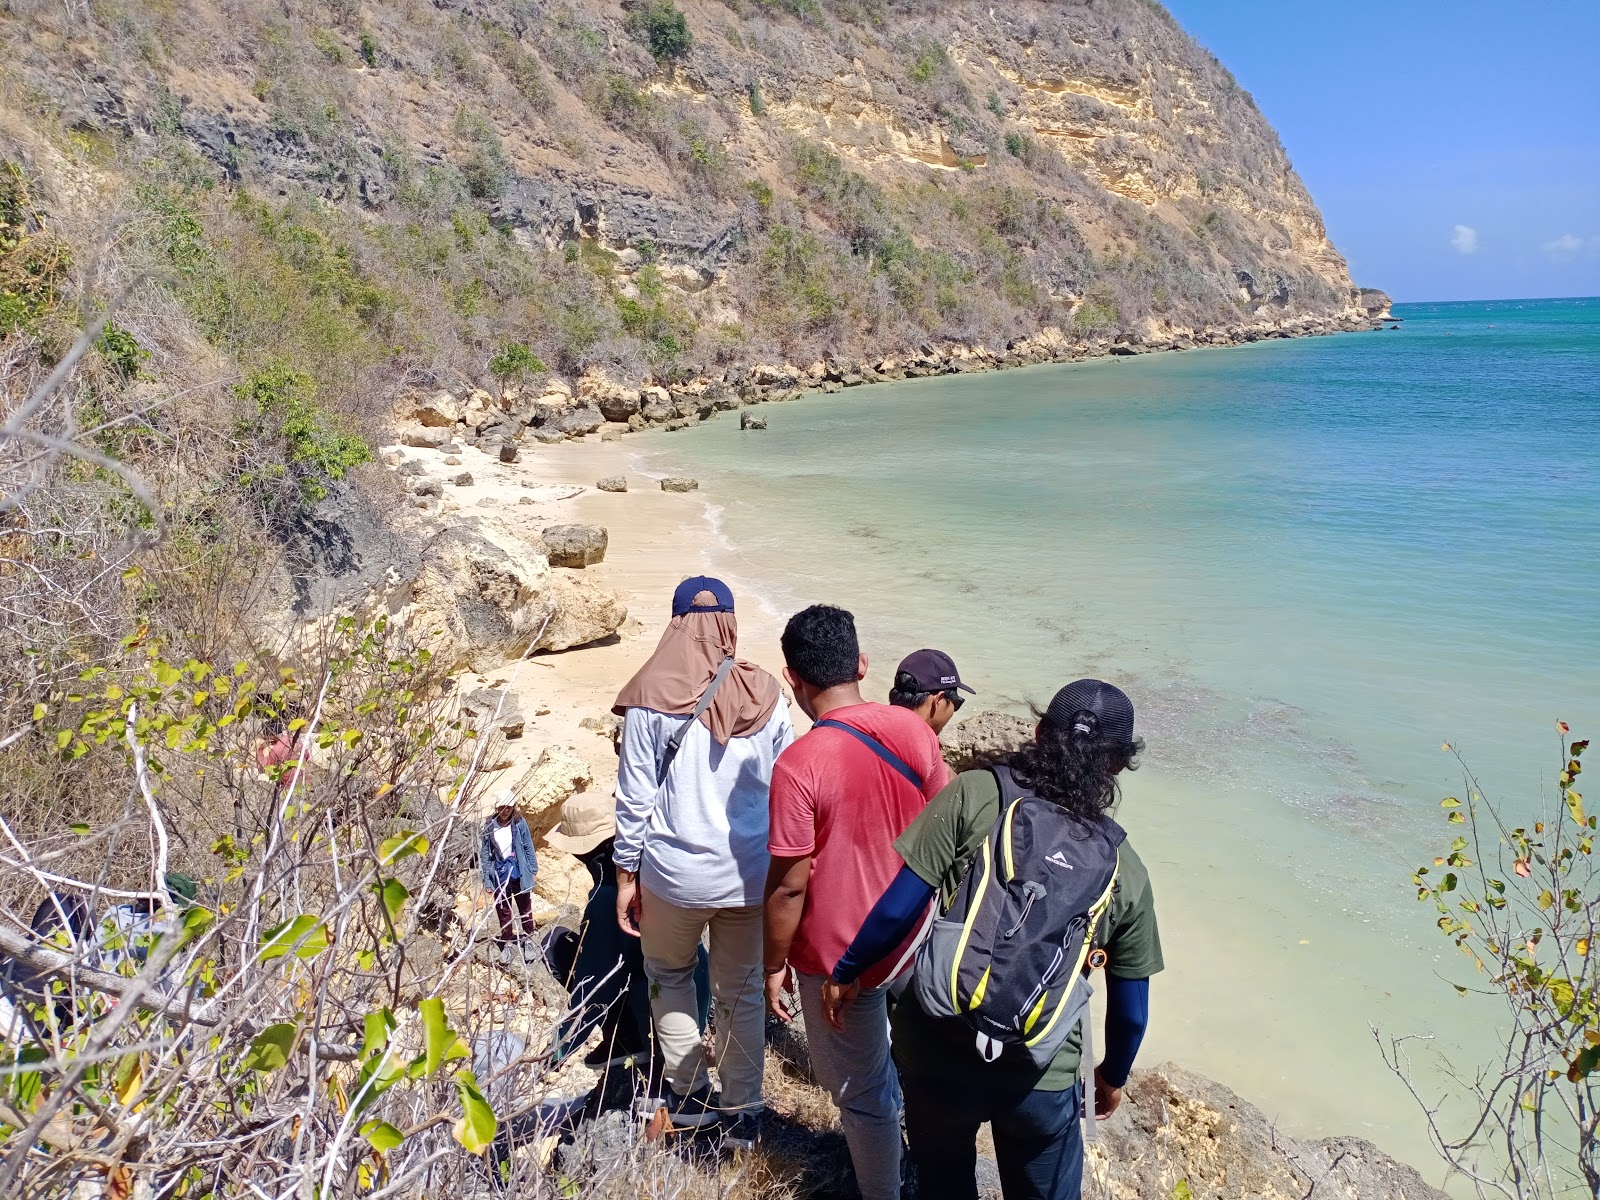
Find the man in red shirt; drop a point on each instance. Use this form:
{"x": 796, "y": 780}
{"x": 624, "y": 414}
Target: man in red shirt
{"x": 840, "y": 796}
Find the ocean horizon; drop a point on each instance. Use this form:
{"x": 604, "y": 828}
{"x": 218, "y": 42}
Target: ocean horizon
{"x": 1309, "y": 562}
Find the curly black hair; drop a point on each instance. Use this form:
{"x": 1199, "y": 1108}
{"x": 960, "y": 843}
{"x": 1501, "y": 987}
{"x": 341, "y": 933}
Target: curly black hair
{"x": 820, "y": 646}
{"x": 1075, "y": 767}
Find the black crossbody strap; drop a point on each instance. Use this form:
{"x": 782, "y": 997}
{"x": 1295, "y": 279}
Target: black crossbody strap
{"x": 877, "y": 747}
{"x": 675, "y": 742}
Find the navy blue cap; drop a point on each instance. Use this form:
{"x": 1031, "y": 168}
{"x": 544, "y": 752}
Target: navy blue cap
{"x": 683, "y": 596}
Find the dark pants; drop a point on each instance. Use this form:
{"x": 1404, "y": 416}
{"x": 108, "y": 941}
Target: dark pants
{"x": 511, "y": 893}
{"x": 1038, "y": 1140}
{"x": 607, "y": 982}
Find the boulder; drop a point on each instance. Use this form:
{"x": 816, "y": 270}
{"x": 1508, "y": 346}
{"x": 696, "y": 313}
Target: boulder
{"x": 608, "y": 726}
{"x": 463, "y": 480}
{"x": 484, "y": 595}
{"x": 748, "y": 420}
{"x": 680, "y": 483}
{"x": 1175, "y": 1127}
{"x": 410, "y": 468}
{"x": 984, "y": 739}
{"x": 556, "y": 776}
{"x": 576, "y": 545}
{"x": 578, "y": 421}
{"x": 452, "y": 460}
{"x": 562, "y": 880}
{"x": 612, "y": 483}
{"x": 424, "y": 437}
{"x": 656, "y": 410}
{"x": 547, "y": 435}
{"x": 619, "y": 405}
{"x": 424, "y": 485}
{"x": 584, "y": 611}
{"x": 439, "y": 411}
{"x": 485, "y": 705}
{"x": 508, "y": 451}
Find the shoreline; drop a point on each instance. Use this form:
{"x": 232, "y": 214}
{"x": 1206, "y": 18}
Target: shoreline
{"x": 656, "y": 538}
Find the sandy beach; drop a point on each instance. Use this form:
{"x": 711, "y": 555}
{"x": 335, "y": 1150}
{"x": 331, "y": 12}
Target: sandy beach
{"x": 656, "y": 539}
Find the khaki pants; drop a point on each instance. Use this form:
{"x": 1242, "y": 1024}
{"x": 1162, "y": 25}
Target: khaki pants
{"x": 669, "y": 936}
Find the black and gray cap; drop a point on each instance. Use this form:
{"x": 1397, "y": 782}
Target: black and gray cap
{"x": 1112, "y": 710}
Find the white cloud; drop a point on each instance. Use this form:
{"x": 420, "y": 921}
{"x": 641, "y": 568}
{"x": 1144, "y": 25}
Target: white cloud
{"x": 1570, "y": 245}
{"x": 1464, "y": 239}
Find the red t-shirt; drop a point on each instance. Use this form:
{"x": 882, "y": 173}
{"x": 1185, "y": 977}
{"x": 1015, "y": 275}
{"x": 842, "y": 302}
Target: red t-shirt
{"x": 834, "y": 799}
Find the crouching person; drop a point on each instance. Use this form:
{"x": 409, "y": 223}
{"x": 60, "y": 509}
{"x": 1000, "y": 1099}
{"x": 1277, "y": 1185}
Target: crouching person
{"x": 509, "y": 868}
{"x": 1026, "y": 851}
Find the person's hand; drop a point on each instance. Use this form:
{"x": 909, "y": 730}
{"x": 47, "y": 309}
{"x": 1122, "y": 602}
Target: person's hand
{"x": 836, "y": 997}
{"x": 778, "y": 987}
{"x": 629, "y": 906}
{"x": 1106, "y": 1098}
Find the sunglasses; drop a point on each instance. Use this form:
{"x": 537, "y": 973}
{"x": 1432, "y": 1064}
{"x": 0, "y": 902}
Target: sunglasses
{"x": 956, "y": 699}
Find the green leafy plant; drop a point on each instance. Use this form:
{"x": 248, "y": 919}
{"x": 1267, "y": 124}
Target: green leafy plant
{"x": 1521, "y": 901}
{"x": 661, "y": 26}
{"x": 123, "y": 351}
{"x": 516, "y": 361}
{"x": 315, "y": 448}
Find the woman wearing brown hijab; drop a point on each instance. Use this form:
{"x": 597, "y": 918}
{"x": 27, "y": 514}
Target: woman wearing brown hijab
{"x": 691, "y": 850}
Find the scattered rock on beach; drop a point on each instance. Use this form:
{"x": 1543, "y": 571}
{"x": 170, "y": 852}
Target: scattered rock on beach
{"x": 577, "y": 545}
{"x": 424, "y": 486}
{"x": 493, "y": 704}
{"x": 680, "y": 483}
{"x": 438, "y": 411}
{"x": 508, "y": 451}
{"x": 748, "y": 420}
{"x": 612, "y": 483}
{"x": 463, "y": 480}
{"x": 422, "y": 437}
{"x": 451, "y": 460}
{"x": 488, "y": 593}
{"x": 984, "y": 739}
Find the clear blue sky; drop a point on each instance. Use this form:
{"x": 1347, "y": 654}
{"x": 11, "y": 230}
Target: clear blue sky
{"x": 1453, "y": 145}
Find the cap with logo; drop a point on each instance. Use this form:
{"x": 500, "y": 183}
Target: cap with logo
{"x": 1113, "y": 711}
{"x": 587, "y": 819}
{"x": 931, "y": 670}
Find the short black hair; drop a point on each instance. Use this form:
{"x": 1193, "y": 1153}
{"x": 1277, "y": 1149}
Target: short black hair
{"x": 820, "y": 646}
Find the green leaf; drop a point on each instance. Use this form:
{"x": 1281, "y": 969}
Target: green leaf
{"x": 196, "y": 921}
{"x": 306, "y": 930}
{"x": 394, "y": 896}
{"x": 1181, "y": 1191}
{"x": 79, "y": 827}
{"x": 1588, "y": 1059}
{"x": 376, "y": 1028}
{"x": 404, "y": 844}
{"x": 271, "y": 1047}
{"x": 476, "y": 1129}
{"x": 383, "y": 1136}
{"x": 440, "y": 1043}
{"x": 1449, "y": 802}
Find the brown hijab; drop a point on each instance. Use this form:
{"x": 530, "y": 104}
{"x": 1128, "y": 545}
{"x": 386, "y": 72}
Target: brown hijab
{"x": 684, "y": 662}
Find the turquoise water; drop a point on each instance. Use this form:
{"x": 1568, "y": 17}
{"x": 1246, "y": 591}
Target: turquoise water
{"x": 1308, "y": 562}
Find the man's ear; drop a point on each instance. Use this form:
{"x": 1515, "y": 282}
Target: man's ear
{"x": 861, "y": 666}
{"x": 792, "y": 680}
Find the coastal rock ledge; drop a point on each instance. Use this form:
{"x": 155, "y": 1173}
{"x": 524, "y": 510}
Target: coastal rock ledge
{"x": 1178, "y": 1127}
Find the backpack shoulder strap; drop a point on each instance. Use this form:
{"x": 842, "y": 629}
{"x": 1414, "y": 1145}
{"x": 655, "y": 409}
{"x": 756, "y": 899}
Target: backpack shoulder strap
{"x": 675, "y": 742}
{"x": 877, "y": 747}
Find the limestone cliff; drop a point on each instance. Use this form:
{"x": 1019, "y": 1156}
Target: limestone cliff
{"x": 688, "y": 186}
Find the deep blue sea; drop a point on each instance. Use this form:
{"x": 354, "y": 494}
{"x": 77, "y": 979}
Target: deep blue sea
{"x": 1309, "y": 562}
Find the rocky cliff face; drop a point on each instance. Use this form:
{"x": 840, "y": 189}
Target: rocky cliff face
{"x": 771, "y": 179}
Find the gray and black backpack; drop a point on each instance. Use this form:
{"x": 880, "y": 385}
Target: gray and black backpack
{"x": 1005, "y": 963}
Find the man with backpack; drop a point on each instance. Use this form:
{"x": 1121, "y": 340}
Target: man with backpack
{"x": 841, "y": 794}
{"x": 1037, "y": 887}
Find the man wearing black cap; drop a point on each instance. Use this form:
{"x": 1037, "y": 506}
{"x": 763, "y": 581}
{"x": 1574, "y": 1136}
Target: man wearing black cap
{"x": 928, "y": 683}
{"x": 1085, "y": 739}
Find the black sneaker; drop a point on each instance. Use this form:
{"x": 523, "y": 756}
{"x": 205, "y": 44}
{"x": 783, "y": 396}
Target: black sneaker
{"x": 742, "y": 1130}
{"x": 675, "y": 1113}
